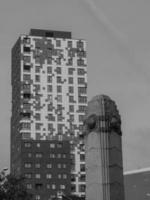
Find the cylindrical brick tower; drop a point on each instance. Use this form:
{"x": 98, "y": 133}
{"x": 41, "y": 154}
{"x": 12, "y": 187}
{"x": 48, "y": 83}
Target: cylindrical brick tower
{"x": 104, "y": 165}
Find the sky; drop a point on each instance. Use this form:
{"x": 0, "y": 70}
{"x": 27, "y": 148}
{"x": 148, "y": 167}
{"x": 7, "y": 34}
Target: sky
{"x": 118, "y": 47}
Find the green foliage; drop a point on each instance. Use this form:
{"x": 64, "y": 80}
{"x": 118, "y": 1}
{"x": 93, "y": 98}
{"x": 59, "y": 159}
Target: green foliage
{"x": 13, "y": 188}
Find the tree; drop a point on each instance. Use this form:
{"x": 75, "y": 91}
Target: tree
{"x": 13, "y": 188}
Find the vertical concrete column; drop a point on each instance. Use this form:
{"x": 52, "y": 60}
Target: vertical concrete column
{"x": 104, "y": 167}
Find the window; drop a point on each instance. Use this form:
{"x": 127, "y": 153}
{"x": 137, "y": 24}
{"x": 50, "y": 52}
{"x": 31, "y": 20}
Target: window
{"x": 26, "y": 86}
{"x": 82, "y": 167}
{"x": 37, "y": 59}
{"x": 64, "y": 176}
{"x": 37, "y": 69}
{"x": 38, "y": 136}
{"x": 70, "y": 44}
{"x": 51, "y": 117}
{"x": 37, "y": 87}
{"x": 50, "y": 107}
{"x": 48, "y": 186}
{"x": 49, "y": 165}
{"x": 27, "y": 165}
{"x": 82, "y": 109}
{"x": 49, "y": 88}
{"x": 58, "y": 79}
{"x": 49, "y": 70}
{"x": 28, "y": 175}
{"x": 82, "y": 99}
{"x": 26, "y": 68}
{"x": 70, "y": 80}
{"x": 52, "y": 155}
{"x": 37, "y": 51}
{"x": 59, "y": 107}
{"x": 59, "y": 98}
{"x": 38, "y": 176}
{"x": 49, "y": 52}
{"x": 26, "y": 126}
{"x": 29, "y": 186}
{"x": 37, "y": 106}
{"x": 38, "y": 145}
{"x": 64, "y": 166}
{"x": 71, "y": 99}
{"x": 81, "y": 118}
{"x": 70, "y": 61}
{"x": 38, "y": 155}
{"x": 26, "y": 40}
{"x": 26, "y": 77}
{"x": 59, "y": 176}
{"x": 48, "y": 176}
{"x": 59, "y": 117}
{"x": 60, "y": 128}
{"x": 38, "y": 116}
{"x": 50, "y": 97}
{"x": 82, "y": 188}
{"x": 59, "y": 145}
{"x": 71, "y": 89}
{"x": 26, "y": 106}
{"x": 82, "y": 177}
{"x": 62, "y": 187}
{"x": 73, "y": 188}
{"x": 52, "y": 145}
{"x": 81, "y": 53}
{"x": 80, "y": 62}
{"x": 60, "y": 137}
{"x": 58, "y": 155}
{"x": 58, "y": 61}
{"x": 81, "y": 71}
{"x": 37, "y": 165}
{"x": 64, "y": 155}
{"x": 38, "y": 186}
{"x": 59, "y": 165}
{"x": 71, "y": 53}
{"x": 59, "y": 88}
{"x": 29, "y": 155}
{"x": 70, "y": 71}
{"x": 82, "y": 90}
{"x": 26, "y": 135}
{"x": 38, "y": 126}
{"x": 82, "y": 157}
{"x": 73, "y": 178}
{"x": 58, "y": 43}
{"x": 49, "y": 79}
{"x": 81, "y": 80}
{"x": 53, "y": 186}
{"x": 80, "y": 44}
{"x": 49, "y": 34}
{"x": 58, "y": 70}
{"x": 72, "y": 118}
{"x": 27, "y": 96}
{"x": 37, "y": 197}
{"x": 49, "y": 61}
{"x": 26, "y": 58}
{"x": 25, "y": 115}
{"x": 50, "y": 127}
{"x": 37, "y": 78}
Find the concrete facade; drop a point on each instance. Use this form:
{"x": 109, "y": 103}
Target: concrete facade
{"x": 104, "y": 166}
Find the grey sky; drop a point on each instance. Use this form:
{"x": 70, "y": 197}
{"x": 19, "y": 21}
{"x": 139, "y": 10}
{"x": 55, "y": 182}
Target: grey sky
{"x": 118, "y": 39}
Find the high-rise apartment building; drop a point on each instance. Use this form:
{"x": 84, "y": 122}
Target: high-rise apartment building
{"x": 49, "y": 98}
